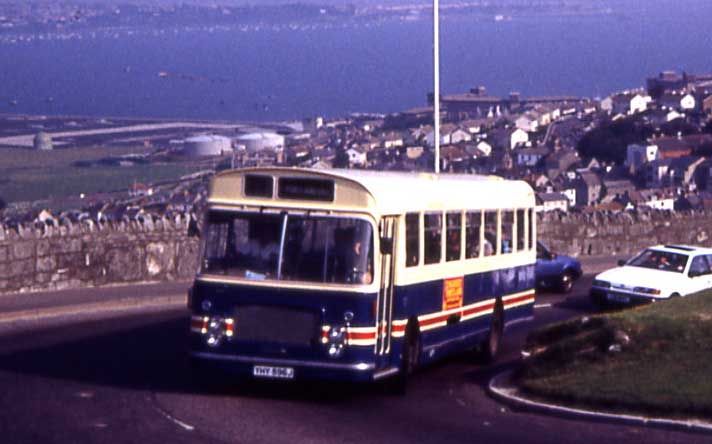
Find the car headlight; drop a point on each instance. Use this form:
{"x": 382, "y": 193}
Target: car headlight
{"x": 600, "y": 283}
{"x": 646, "y": 290}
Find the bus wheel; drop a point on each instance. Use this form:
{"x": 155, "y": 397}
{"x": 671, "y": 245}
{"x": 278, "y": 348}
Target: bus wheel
{"x": 491, "y": 346}
{"x": 409, "y": 359}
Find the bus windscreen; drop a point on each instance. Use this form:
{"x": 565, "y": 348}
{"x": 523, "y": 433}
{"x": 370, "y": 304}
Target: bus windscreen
{"x": 291, "y": 247}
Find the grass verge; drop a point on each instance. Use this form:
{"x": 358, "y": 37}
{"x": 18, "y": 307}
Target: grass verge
{"x": 653, "y": 359}
{"x": 29, "y": 175}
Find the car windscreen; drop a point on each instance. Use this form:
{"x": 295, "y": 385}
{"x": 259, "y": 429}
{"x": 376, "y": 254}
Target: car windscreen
{"x": 294, "y": 247}
{"x": 660, "y": 260}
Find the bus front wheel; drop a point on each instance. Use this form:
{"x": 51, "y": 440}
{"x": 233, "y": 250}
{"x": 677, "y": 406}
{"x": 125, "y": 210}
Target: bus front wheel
{"x": 409, "y": 358}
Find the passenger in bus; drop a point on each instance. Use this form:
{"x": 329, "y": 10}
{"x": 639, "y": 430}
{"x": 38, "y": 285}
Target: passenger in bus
{"x": 353, "y": 264}
{"x": 488, "y": 245}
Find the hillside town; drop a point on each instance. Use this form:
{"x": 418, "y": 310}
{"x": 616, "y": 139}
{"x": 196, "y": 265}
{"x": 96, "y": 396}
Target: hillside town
{"x": 648, "y": 148}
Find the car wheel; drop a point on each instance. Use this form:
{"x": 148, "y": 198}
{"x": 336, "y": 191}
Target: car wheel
{"x": 566, "y": 282}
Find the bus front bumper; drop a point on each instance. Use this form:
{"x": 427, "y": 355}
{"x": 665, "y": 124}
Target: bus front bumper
{"x": 284, "y": 369}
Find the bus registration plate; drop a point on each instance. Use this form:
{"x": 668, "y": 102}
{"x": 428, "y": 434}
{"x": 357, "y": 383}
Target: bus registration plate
{"x": 264, "y": 371}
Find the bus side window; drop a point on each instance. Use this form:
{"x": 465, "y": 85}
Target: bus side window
{"x": 472, "y": 234}
{"x": 412, "y": 239}
{"x": 452, "y": 246}
{"x": 521, "y": 221}
{"x": 490, "y": 240}
{"x": 433, "y": 238}
{"x": 507, "y": 231}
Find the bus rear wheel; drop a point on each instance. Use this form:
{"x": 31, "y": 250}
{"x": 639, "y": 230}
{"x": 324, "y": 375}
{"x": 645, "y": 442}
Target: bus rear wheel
{"x": 492, "y": 344}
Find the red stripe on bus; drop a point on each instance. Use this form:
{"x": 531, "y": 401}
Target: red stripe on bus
{"x": 359, "y": 336}
{"x": 519, "y": 299}
{"x": 398, "y": 328}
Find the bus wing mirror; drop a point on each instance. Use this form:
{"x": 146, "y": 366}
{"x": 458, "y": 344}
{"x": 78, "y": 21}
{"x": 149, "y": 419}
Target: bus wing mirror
{"x": 386, "y": 245}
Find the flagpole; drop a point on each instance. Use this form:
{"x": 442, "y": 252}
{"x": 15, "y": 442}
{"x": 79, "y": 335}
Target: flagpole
{"x": 436, "y": 80}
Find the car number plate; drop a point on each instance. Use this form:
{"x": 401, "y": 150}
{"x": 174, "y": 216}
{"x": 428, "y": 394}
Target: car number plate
{"x": 618, "y": 298}
{"x": 264, "y": 371}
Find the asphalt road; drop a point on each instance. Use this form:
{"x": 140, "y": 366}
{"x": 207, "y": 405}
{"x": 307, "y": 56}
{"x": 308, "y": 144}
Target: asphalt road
{"x": 125, "y": 379}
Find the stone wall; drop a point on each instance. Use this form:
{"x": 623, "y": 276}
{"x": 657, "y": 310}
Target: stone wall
{"x": 153, "y": 250}
{"x": 620, "y": 234}
{"x": 90, "y": 254}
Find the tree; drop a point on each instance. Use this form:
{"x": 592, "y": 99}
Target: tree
{"x": 341, "y": 159}
{"x": 610, "y": 140}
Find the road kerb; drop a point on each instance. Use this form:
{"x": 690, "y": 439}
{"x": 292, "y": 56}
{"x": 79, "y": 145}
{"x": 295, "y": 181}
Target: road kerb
{"x": 508, "y": 394}
{"x": 120, "y": 305}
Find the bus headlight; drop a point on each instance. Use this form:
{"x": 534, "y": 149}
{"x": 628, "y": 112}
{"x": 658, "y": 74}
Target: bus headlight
{"x": 335, "y": 338}
{"x": 217, "y": 328}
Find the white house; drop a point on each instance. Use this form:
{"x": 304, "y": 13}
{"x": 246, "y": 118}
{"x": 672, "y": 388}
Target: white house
{"x": 626, "y": 103}
{"x": 460, "y": 135}
{"x": 357, "y": 156}
{"x": 392, "y": 141}
{"x": 484, "y": 147}
{"x": 677, "y": 101}
{"x": 673, "y": 115}
{"x": 638, "y": 155}
{"x": 657, "y": 202}
{"x": 446, "y": 131}
{"x": 518, "y": 137}
{"x": 552, "y": 201}
{"x": 527, "y": 122}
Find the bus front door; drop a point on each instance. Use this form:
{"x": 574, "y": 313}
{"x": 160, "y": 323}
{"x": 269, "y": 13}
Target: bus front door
{"x": 388, "y": 230}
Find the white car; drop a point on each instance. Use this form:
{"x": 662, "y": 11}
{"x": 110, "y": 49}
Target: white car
{"x": 660, "y": 272}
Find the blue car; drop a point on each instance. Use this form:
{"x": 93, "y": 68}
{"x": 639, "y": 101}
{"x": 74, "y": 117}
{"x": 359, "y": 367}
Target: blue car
{"x": 554, "y": 271}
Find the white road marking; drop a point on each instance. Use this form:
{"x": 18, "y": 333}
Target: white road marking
{"x": 178, "y": 422}
{"x": 542, "y": 305}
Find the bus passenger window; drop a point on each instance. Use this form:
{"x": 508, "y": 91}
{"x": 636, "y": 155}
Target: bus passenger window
{"x": 412, "y": 239}
{"x": 488, "y": 248}
{"x": 472, "y": 235}
{"x": 507, "y": 231}
{"x": 452, "y": 246}
{"x": 433, "y": 238}
{"x": 521, "y": 245}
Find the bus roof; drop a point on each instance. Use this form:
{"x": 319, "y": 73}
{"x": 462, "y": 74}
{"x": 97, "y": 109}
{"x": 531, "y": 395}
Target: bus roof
{"x": 376, "y": 192}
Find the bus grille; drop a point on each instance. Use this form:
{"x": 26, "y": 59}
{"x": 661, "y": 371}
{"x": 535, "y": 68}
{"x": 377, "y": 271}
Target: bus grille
{"x": 259, "y": 323}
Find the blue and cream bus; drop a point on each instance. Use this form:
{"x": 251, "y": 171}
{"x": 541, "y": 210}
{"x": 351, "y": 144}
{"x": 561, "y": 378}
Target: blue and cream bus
{"x": 358, "y": 275}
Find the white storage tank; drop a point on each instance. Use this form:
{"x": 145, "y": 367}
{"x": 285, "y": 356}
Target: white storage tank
{"x": 208, "y": 145}
{"x": 259, "y": 141}
{"x": 43, "y": 142}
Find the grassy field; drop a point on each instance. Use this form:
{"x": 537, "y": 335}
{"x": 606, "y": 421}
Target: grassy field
{"x": 650, "y": 360}
{"x": 27, "y": 175}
